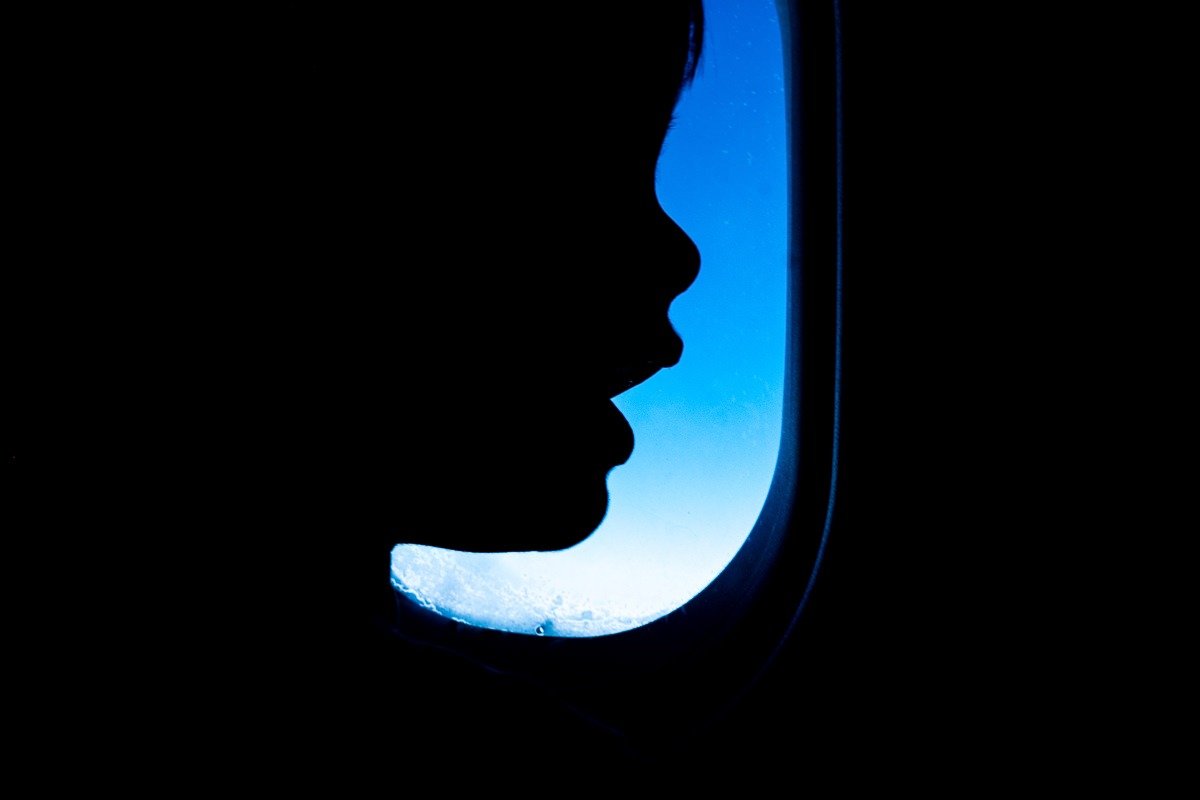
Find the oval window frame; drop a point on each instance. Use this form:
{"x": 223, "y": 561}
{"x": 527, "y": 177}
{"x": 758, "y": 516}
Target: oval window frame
{"x": 645, "y": 681}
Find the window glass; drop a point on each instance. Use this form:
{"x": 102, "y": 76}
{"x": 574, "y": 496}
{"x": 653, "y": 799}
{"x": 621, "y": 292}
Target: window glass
{"x": 707, "y": 431}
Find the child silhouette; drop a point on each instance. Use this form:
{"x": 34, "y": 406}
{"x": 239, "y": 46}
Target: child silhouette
{"x": 371, "y": 277}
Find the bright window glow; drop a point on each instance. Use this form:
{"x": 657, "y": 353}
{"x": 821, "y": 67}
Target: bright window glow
{"x": 708, "y": 429}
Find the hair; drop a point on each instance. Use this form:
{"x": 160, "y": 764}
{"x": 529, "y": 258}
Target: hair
{"x": 695, "y": 40}
{"x": 320, "y": 46}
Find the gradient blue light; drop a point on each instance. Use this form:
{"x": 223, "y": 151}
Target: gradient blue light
{"x": 707, "y": 430}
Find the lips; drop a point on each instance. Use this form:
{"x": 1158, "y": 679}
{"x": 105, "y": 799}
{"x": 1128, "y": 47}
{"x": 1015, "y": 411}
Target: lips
{"x": 584, "y": 426}
{"x": 650, "y": 347}
{"x": 613, "y": 434}
{"x": 615, "y": 431}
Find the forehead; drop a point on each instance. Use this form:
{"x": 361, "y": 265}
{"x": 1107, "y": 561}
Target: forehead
{"x": 531, "y": 62}
{"x": 444, "y": 99}
{"x": 608, "y": 87}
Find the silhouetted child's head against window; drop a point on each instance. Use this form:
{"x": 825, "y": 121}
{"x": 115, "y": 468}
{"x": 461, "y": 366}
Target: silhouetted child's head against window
{"x": 458, "y": 208}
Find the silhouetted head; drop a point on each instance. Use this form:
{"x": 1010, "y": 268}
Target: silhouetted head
{"x": 387, "y": 270}
{"x": 459, "y": 206}
{"x": 361, "y": 278}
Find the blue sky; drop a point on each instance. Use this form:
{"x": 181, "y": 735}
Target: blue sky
{"x": 707, "y": 430}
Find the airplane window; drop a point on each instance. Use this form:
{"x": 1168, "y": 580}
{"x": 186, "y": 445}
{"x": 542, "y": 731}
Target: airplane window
{"x": 707, "y": 430}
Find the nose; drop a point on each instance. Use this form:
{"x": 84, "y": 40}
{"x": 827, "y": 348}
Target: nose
{"x": 677, "y": 262}
{"x": 677, "y": 259}
{"x": 671, "y": 264}
{"x": 616, "y": 329}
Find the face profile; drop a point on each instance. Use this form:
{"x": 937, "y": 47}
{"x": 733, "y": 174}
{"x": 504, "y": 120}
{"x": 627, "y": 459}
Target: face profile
{"x": 393, "y": 265}
{"x": 474, "y": 264}
{"x": 416, "y": 254}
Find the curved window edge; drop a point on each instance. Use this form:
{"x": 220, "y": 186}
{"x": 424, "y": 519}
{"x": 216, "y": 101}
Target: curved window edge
{"x": 645, "y": 681}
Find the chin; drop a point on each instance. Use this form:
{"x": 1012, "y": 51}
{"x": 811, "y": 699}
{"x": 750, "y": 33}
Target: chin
{"x": 564, "y": 531}
{"x": 561, "y": 512}
{"x": 552, "y": 514}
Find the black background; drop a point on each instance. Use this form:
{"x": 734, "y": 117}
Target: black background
{"x": 991, "y": 606}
